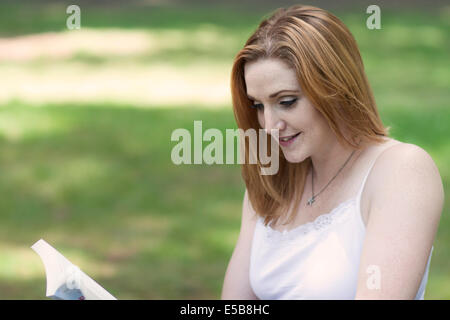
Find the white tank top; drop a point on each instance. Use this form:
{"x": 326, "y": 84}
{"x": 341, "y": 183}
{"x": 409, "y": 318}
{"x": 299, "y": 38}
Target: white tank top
{"x": 318, "y": 260}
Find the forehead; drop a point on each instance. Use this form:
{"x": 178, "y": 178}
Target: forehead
{"x": 265, "y": 76}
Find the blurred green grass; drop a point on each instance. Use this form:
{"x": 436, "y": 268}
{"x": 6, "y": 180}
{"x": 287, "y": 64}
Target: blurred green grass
{"x": 97, "y": 182}
{"x": 103, "y": 183}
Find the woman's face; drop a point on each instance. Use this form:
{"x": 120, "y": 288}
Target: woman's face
{"x": 290, "y": 111}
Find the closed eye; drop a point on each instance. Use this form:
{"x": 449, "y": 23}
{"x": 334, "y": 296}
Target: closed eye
{"x": 287, "y": 103}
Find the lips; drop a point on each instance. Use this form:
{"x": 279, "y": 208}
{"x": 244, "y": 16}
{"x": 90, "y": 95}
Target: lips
{"x": 290, "y": 140}
{"x": 287, "y": 138}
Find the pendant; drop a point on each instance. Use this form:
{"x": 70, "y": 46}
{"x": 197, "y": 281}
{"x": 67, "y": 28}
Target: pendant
{"x": 311, "y": 201}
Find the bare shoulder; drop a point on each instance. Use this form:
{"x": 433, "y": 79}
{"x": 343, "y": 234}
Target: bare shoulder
{"x": 406, "y": 167}
{"x": 404, "y": 157}
{"x": 403, "y": 218}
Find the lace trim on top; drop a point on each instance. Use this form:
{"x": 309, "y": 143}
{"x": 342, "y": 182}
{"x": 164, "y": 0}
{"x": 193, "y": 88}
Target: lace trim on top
{"x": 321, "y": 223}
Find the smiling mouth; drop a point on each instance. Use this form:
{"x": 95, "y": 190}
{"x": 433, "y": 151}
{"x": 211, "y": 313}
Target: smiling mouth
{"x": 285, "y": 139}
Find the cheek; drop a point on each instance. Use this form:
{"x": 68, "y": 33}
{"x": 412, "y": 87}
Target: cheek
{"x": 311, "y": 119}
{"x": 320, "y": 122}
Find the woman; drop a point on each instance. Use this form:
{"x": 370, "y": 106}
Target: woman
{"x": 351, "y": 213}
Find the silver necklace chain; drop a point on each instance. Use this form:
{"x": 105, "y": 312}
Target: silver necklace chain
{"x": 313, "y": 198}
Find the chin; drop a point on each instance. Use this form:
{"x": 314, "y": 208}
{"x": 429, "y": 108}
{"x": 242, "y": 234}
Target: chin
{"x": 294, "y": 158}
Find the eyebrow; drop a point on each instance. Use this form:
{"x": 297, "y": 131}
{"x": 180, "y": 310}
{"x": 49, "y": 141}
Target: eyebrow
{"x": 273, "y": 95}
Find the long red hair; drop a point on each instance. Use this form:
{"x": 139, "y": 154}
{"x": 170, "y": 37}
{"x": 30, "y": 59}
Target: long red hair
{"x": 330, "y": 71}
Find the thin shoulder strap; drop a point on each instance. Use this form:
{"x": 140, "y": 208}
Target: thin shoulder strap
{"x": 370, "y": 169}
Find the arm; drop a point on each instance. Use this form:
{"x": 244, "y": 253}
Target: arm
{"x": 403, "y": 219}
{"x": 236, "y": 283}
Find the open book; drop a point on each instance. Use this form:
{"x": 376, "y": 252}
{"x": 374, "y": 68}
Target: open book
{"x": 65, "y": 281}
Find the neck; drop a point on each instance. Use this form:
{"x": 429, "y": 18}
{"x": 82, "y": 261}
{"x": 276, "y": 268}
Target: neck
{"x": 328, "y": 161}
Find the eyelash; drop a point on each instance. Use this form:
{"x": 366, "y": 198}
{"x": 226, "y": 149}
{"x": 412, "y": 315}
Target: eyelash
{"x": 287, "y": 104}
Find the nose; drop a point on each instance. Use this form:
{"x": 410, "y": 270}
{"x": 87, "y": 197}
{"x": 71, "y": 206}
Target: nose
{"x": 272, "y": 121}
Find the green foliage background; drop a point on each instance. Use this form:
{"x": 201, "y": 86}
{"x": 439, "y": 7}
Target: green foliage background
{"x": 95, "y": 179}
